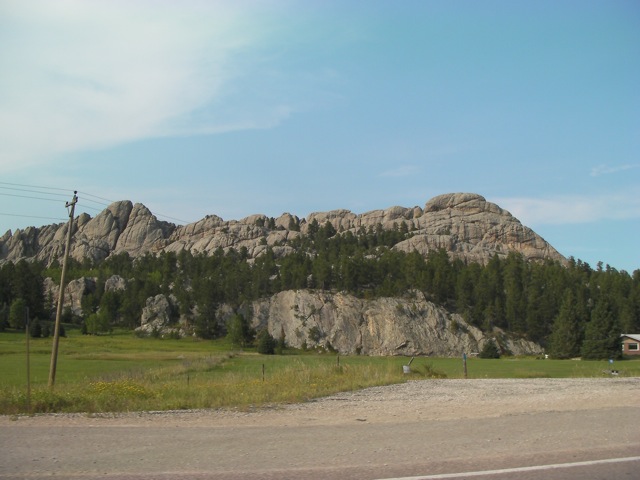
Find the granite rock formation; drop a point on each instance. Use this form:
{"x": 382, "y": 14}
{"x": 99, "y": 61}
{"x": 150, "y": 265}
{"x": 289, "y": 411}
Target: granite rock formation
{"x": 410, "y": 326}
{"x": 465, "y": 224}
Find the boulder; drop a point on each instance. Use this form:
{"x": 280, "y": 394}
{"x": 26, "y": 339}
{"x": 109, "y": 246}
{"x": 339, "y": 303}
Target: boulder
{"x": 156, "y": 318}
{"x": 115, "y": 283}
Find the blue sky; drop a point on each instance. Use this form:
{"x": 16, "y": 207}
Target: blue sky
{"x": 235, "y": 108}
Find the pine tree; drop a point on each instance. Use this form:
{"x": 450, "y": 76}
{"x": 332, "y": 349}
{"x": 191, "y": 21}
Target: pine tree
{"x": 564, "y": 341}
{"x": 266, "y": 343}
{"x": 206, "y": 322}
{"x": 602, "y": 335}
{"x": 17, "y": 314}
{"x": 490, "y": 350}
{"x": 515, "y": 299}
{"x": 239, "y": 331}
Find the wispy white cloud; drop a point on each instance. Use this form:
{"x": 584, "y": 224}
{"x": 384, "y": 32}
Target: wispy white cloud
{"x": 83, "y": 75}
{"x": 606, "y": 169}
{"x": 568, "y": 209}
{"x": 402, "y": 171}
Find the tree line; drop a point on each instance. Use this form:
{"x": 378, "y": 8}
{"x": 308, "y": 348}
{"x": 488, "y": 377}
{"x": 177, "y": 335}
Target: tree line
{"x": 570, "y": 309}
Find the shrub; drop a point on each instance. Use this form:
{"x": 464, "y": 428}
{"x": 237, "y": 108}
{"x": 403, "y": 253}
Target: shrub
{"x": 266, "y": 343}
{"x": 35, "y": 329}
{"x": 239, "y": 331}
{"x": 315, "y": 334}
{"x": 490, "y": 350}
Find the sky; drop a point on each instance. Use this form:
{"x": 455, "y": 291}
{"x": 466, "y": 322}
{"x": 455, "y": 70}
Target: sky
{"x": 234, "y": 108}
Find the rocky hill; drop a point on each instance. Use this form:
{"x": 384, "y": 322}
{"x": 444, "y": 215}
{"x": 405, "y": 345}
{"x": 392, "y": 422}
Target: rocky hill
{"x": 464, "y": 224}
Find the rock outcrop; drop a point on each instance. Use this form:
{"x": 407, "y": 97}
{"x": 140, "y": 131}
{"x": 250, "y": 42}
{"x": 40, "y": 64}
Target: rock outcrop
{"x": 73, "y": 292}
{"x": 472, "y": 229}
{"x": 156, "y": 317}
{"x": 115, "y": 283}
{"x": 384, "y": 326}
{"x": 464, "y": 224}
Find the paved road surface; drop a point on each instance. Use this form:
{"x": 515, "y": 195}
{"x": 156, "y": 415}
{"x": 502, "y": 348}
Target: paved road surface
{"x": 356, "y": 449}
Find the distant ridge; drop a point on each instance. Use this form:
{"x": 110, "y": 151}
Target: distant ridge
{"x": 464, "y": 224}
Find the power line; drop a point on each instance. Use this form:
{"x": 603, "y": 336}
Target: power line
{"x": 32, "y": 191}
{"x": 83, "y": 197}
{"x": 35, "y": 186}
{"x": 96, "y": 202}
{"x": 32, "y": 216}
{"x": 85, "y": 194}
{"x": 28, "y": 196}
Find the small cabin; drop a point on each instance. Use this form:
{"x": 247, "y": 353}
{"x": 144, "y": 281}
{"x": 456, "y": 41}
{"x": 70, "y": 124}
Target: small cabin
{"x": 630, "y": 343}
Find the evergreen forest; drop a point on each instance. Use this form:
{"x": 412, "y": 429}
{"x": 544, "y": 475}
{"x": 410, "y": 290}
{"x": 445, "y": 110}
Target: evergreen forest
{"x": 572, "y": 310}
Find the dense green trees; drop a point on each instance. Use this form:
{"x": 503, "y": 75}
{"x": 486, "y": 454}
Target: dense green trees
{"x": 569, "y": 308}
{"x": 18, "y": 314}
{"x": 239, "y": 331}
{"x": 566, "y": 334}
{"x": 23, "y": 281}
{"x": 602, "y": 334}
{"x": 97, "y": 323}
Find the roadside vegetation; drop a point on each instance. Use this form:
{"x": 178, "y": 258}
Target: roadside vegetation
{"x": 120, "y": 372}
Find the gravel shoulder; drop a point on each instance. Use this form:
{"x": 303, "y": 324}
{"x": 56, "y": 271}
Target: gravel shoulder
{"x": 408, "y": 402}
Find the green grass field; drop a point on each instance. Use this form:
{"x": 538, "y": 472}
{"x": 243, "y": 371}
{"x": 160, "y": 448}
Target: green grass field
{"x": 120, "y": 372}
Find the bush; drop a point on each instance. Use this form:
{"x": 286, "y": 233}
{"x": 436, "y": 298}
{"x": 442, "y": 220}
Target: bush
{"x": 266, "y": 343}
{"x": 315, "y": 335}
{"x": 17, "y": 314}
{"x": 97, "y": 323}
{"x": 490, "y": 350}
{"x": 35, "y": 329}
{"x": 239, "y": 331}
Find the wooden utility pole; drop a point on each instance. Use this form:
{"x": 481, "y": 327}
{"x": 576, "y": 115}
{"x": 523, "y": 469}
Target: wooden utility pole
{"x": 56, "y": 328}
{"x": 28, "y": 362}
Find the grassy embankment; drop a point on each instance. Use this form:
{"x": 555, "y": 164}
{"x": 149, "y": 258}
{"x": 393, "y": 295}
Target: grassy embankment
{"x": 120, "y": 372}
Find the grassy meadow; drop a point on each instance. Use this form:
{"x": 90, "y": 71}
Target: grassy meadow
{"x": 121, "y": 372}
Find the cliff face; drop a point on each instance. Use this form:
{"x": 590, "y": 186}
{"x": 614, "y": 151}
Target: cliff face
{"x": 464, "y": 224}
{"x": 384, "y": 326}
{"x": 409, "y": 326}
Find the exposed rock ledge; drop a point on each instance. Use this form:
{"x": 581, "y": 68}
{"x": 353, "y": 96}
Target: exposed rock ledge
{"x": 384, "y": 326}
{"x": 410, "y": 326}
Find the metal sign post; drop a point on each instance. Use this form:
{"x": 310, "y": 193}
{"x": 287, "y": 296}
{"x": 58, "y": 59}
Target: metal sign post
{"x": 464, "y": 364}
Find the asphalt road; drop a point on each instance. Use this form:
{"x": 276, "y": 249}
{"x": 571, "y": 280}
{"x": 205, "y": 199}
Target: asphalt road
{"x": 353, "y": 449}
